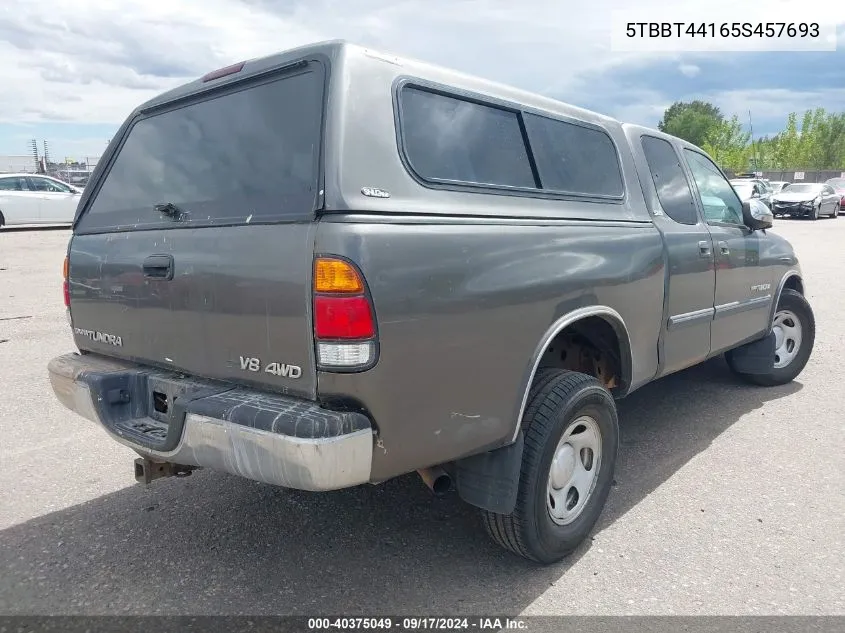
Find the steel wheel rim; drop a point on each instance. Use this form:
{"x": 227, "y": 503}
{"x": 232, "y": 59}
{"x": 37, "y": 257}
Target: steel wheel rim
{"x": 788, "y": 335}
{"x": 574, "y": 470}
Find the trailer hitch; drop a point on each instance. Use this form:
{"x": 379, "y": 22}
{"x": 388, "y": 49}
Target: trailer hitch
{"x": 147, "y": 470}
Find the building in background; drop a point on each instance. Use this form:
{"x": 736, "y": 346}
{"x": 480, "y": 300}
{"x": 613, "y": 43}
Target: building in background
{"x": 74, "y": 171}
{"x": 17, "y": 164}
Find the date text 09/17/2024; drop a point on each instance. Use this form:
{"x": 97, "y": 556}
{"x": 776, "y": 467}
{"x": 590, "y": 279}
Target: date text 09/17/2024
{"x": 422, "y": 623}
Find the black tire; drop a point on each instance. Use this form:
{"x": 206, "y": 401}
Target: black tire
{"x": 814, "y": 214}
{"x": 557, "y": 398}
{"x": 835, "y": 213}
{"x": 798, "y": 305}
{"x": 2, "y": 220}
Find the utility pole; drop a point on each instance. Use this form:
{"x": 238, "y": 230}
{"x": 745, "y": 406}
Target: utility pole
{"x": 753, "y": 146}
{"x": 35, "y": 154}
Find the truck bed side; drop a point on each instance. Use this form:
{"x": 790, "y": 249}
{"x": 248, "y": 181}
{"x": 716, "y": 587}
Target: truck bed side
{"x": 462, "y": 306}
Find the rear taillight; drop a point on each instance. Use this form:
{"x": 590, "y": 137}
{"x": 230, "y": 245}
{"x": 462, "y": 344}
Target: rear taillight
{"x": 65, "y": 286}
{"x": 343, "y": 318}
{"x": 344, "y": 322}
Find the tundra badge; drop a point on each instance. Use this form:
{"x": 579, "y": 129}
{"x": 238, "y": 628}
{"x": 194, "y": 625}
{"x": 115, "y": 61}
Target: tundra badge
{"x": 100, "y": 337}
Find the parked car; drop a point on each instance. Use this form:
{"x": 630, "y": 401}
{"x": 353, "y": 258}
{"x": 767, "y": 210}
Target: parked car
{"x": 747, "y": 189}
{"x": 438, "y": 274}
{"x": 36, "y": 199}
{"x": 838, "y": 185}
{"x": 810, "y": 200}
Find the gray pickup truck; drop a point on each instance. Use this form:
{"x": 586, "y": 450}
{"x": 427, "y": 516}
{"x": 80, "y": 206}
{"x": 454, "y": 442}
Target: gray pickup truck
{"x": 332, "y": 266}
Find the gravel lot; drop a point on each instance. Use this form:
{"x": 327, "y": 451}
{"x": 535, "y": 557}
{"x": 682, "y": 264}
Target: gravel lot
{"x": 729, "y": 499}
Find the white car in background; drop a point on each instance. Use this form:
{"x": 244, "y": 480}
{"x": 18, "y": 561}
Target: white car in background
{"x": 36, "y": 199}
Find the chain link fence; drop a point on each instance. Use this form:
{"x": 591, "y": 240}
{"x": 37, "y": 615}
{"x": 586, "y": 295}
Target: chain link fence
{"x": 793, "y": 175}
{"x": 74, "y": 171}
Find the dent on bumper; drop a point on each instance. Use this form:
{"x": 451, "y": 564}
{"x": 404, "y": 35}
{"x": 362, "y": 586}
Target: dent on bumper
{"x": 306, "y": 463}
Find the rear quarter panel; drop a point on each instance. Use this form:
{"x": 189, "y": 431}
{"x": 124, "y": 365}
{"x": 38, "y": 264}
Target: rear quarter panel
{"x": 462, "y": 306}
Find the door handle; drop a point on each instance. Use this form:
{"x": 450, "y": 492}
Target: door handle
{"x": 723, "y": 246}
{"x": 704, "y": 249}
{"x": 158, "y": 267}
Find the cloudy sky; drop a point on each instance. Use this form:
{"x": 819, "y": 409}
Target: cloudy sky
{"x": 73, "y": 69}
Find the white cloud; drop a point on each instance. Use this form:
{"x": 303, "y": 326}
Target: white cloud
{"x": 689, "y": 70}
{"x": 93, "y": 61}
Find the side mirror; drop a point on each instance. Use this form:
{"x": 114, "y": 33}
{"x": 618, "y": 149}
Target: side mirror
{"x": 757, "y": 215}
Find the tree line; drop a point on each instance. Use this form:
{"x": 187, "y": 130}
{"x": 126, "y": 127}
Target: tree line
{"x": 817, "y": 141}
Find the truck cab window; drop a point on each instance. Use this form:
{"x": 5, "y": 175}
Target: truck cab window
{"x": 720, "y": 202}
{"x": 671, "y": 184}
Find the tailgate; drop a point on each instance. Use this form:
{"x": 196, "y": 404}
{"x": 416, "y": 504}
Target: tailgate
{"x": 195, "y": 251}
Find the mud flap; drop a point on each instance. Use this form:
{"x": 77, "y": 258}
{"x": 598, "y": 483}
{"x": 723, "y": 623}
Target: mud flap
{"x": 490, "y": 480}
{"x": 755, "y": 358}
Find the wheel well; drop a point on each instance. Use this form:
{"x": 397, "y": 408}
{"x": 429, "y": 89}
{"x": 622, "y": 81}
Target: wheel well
{"x": 591, "y": 346}
{"x": 794, "y": 283}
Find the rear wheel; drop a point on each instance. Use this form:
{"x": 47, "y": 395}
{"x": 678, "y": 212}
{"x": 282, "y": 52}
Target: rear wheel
{"x": 794, "y": 327}
{"x": 571, "y": 439}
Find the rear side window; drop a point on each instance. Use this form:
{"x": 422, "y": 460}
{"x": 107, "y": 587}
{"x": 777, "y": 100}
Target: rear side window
{"x": 672, "y": 186}
{"x": 453, "y": 140}
{"x": 13, "y": 184}
{"x": 245, "y": 156}
{"x": 574, "y": 158}
{"x": 45, "y": 184}
{"x": 449, "y": 139}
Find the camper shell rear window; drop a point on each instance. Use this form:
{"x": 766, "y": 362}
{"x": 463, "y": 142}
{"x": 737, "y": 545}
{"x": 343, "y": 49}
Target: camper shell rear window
{"x": 248, "y": 153}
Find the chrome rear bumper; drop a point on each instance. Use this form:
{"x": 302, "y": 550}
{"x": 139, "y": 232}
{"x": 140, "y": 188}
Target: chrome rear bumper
{"x": 261, "y": 436}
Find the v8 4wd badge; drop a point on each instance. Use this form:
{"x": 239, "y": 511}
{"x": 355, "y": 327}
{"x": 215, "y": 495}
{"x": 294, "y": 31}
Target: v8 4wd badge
{"x": 249, "y": 363}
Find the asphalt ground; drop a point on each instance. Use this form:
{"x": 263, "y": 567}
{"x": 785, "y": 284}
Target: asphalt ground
{"x": 730, "y": 499}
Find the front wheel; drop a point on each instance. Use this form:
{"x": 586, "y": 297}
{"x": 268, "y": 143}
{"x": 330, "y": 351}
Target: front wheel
{"x": 571, "y": 439}
{"x": 814, "y": 214}
{"x": 794, "y": 327}
{"x": 836, "y": 211}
